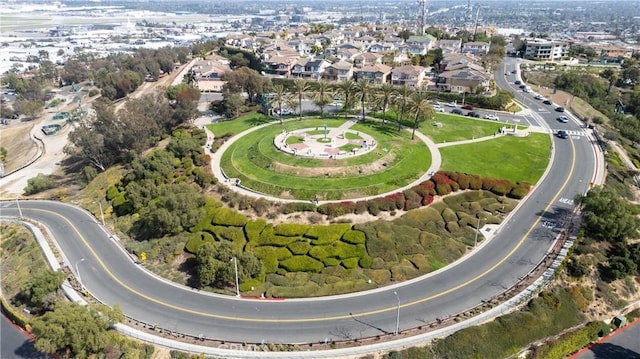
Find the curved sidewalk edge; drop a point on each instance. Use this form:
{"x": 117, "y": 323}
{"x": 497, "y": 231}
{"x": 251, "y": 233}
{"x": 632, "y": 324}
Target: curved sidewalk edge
{"x": 236, "y": 350}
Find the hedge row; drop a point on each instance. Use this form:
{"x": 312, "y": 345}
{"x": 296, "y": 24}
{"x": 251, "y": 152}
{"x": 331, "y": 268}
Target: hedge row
{"x": 441, "y": 184}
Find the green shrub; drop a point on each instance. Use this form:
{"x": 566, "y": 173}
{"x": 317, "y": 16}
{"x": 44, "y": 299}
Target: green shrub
{"x": 299, "y": 247}
{"x": 302, "y": 264}
{"x": 290, "y": 229}
{"x": 268, "y": 238}
{"x": 499, "y": 189}
{"x": 196, "y": 240}
{"x": 227, "y": 217}
{"x": 377, "y": 263}
{"x": 121, "y": 205}
{"x": 279, "y": 253}
{"x": 322, "y": 252}
{"x": 112, "y": 192}
{"x": 350, "y": 263}
{"x": 449, "y": 215}
{"x": 518, "y": 192}
{"x": 403, "y": 270}
{"x": 354, "y": 237}
{"x": 372, "y": 207}
{"x": 38, "y": 184}
{"x": 571, "y": 342}
{"x": 420, "y": 261}
{"x": 293, "y": 207}
{"x": 379, "y": 276}
{"x": 307, "y": 290}
{"x": 331, "y": 262}
{"x": 365, "y": 262}
{"x": 253, "y": 229}
{"x": 327, "y": 234}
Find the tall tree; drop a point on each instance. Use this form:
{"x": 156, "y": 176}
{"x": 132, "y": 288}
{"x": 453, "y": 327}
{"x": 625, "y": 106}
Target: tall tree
{"x": 348, "y": 89}
{"x": 300, "y": 90}
{"x": 75, "y": 331}
{"x": 279, "y": 98}
{"x": 607, "y": 217}
{"x": 40, "y": 284}
{"x": 401, "y": 103}
{"x": 364, "y": 90}
{"x": 322, "y": 95}
{"x": 421, "y": 108}
{"x": 385, "y": 96}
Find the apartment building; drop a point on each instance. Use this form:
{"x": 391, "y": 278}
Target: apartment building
{"x": 546, "y": 50}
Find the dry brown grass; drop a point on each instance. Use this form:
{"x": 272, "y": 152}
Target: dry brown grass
{"x": 20, "y": 148}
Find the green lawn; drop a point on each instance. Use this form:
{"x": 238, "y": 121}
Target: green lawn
{"x": 514, "y": 158}
{"x": 458, "y": 128}
{"x": 239, "y": 124}
{"x": 254, "y": 160}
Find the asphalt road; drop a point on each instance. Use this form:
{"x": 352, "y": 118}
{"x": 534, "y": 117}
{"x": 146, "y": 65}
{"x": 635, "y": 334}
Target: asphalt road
{"x": 624, "y": 344}
{"x": 15, "y": 344}
{"x": 110, "y": 275}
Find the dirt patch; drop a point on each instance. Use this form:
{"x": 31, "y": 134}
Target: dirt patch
{"x": 331, "y": 168}
{"x": 16, "y": 139}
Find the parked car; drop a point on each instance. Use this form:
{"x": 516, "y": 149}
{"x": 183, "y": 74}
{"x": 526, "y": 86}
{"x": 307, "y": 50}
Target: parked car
{"x": 560, "y": 109}
{"x": 451, "y": 104}
{"x": 438, "y": 108}
{"x": 468, "y": 107}
{"x": 563, "y": 119}
{"x": 456, "y": 111}
{"x": 538, "y": 97}
{"x": 473, "y": 114}
{"x": 546, "y": 102}
{"x": 492, "y": 117}
{"x": 563, "y": 134}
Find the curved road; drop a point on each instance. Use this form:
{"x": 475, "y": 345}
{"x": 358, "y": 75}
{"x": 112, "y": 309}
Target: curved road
{"x": 520, "y": 243}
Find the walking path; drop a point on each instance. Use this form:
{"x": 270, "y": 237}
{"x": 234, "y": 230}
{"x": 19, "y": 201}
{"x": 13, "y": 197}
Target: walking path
{"x": 235, "y": 185}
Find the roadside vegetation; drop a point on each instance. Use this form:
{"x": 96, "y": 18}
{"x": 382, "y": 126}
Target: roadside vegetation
{"x": 32, "y": 299}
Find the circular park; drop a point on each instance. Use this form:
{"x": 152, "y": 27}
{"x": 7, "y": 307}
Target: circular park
{"x": 326, "y": 159}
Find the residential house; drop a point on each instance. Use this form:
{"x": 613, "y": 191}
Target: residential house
{"x": 449, "y": 46}
{"x": 298, "y": 68}
{"x": 377, "y": 74}
{"x": 381, "y": 47}
{"x": 309, "y": 68}
{"x": 468, "y": 79}
{"x": 347, "y": 53}
{"x": 457, "y": 61}
{"x": 546, "y": 50}
{"x": 611, "y": 51}
{"x": 367, "y": 59}
{"x": 280, "y": 65}
{"x": 339, "y": 71}
{"x": 208, "y": 73}
{"x": 418, "y": 45}
{"x": 478, "y": 48}
{"x": 410, "y": 75}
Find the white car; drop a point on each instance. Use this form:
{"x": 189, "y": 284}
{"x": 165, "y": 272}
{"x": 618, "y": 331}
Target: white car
{"x": 438, "y": 108}
{"x": 451, "y": 104}
{"x": 492, "y": 117}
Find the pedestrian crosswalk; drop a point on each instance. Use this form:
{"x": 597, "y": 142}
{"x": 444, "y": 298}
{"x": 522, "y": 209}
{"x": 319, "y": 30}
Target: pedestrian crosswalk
{"x": 572, "y": 132}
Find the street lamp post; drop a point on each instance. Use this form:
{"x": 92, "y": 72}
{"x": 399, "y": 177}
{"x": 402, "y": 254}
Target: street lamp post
{"x": 101, "y": 212}
{"x": 235, "y": 264}
{"x": 78, "y": 273}
{"x": 475, "y": 240}
{"x": 397, "y": 314}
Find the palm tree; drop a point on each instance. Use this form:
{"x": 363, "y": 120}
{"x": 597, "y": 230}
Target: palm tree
{"x": 385, "y": 96}
{"x": 420, "y": 106}
{"x": 279, "y": 97}
{"x": 364, "y": 90}
{"x": 347, "y": 88}
{"x": 322, "y": 95}
{"x": 300, "y": 89}
{"x": 401, "y": 102}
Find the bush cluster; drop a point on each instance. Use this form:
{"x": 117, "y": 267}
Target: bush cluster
{"x": 441, "y": 184}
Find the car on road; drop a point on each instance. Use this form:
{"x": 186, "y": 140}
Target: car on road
{"x": 563, "y": 134}
{"x": 336, "y": 103}
{"x": 546, "y": 102}
{"x": 473, "y": 114}
{"x": 438, "y": 108}
{"x": 538, "y": 97}
{"x": 284, "y": 111}
{"x": 492, "y": 117}
{"x": 451, "y": 104}
{"x": 456, "y": 111}
{"x": 563, "y": 119}
{"x": 560, "y": 109}
{"x": 468, "y": 107}
{"x": 518, "y": 82}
